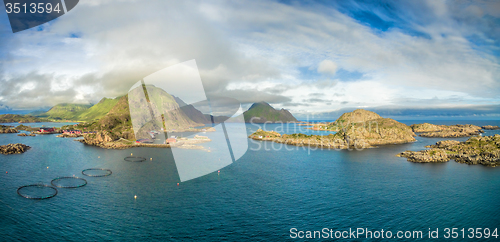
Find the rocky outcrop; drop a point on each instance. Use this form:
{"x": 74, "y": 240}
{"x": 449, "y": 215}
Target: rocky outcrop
{"x": 108, "y": 140}
{"x": 100, "y": 138}
{"x": 475, "y": 151}
{"x": 68, "y": 135}
{"x": 360, "y": 129}
{"x": 446, "y": 131}
{"x": 490, "y": 127}
{"x": 26, "y": 128}
{"x": 8, "y": 130}
{"x": 13, "y": 149}
{"x": 24, "y": 134}
{"x": 426, "y": 156}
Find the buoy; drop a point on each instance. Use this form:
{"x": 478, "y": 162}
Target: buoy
{"x": 6, "y": 172}
{"x": 135, "y": 197}
{"x": 177, "y": 184}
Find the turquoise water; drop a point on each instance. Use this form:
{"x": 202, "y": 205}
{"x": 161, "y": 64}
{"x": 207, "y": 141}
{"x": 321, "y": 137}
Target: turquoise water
{"x": 260, "y": 197}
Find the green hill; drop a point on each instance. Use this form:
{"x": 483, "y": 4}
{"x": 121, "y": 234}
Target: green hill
{"x": 65, "y": 111}
{"x": 99, "y": 110}
{"x": 16, "y": 118}
{"x": 80, "y": 112}
{"x": 262, "y": 112}
{"x": 117, "y": 121}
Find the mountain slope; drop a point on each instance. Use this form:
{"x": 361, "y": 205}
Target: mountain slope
{"x": 262, "y": 112}
{"x": 99, "y": 110}
{"x": 16, "y": 118}
{"x": 160, "y": 105}
{"x": 66, "y": 111}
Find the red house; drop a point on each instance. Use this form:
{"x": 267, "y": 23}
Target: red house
{"x": 47, "y": 130}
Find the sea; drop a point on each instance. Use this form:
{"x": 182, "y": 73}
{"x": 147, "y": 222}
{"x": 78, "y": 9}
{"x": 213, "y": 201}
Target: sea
{"x": 269, "y": 194}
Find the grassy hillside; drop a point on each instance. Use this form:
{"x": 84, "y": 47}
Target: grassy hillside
{"x": 65, "y": 111}
{"x": 99, "y": 110}
{"x": 80, "y": 112}
{"x": 117, "y": 120}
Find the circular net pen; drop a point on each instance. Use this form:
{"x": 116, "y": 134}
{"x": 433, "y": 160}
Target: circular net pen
{"x": 68, "y": 182}
{"x": 37, "y": 191}
{"x": 135, "y": 159}
{"x": 97, "y": 172}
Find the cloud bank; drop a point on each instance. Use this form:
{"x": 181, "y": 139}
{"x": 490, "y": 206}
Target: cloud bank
{"x": 305, "y": 56}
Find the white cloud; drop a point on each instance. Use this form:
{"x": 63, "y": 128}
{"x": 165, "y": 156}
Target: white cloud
{"x": 250, "y": 50}
{"x": 327, "y": 67}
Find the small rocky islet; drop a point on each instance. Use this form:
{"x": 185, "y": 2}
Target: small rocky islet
{"x": 13, "y": 149}
{"x": 446, "y": 131}
{"x": 476, "y": 150}
{"x": 7, "y": 130}
{"x": 490, "y": 127}
{"x": 25, "y": 134}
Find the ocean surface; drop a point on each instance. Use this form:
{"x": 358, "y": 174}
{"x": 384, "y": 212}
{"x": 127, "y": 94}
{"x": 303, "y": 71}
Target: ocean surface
{"x": 260, "y": 197}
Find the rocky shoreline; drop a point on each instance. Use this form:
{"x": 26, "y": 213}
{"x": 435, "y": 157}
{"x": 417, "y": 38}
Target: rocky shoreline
{"x": 8, "y": 130}
{"x": 446, "y": 131}
{"x": 490, "y": 127}
{"x": 67, "y": 135}
{"x": 107, "y": 140}
{"x": 24, "y": 134}
{"x": 475, "y": 151}
{"x": 13, "y": 149}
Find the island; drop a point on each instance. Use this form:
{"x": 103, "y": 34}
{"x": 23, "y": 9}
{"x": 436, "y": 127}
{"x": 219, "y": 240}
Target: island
{"x": 446, "y": 131}
{"x": 13, "y": 149}
{"x": 490, "y": 127}
{"x": 476, "y": 150}
{"x": 7, "y": 129}
{"x": 358, "y": 129}
{"x": 25, "y": 135}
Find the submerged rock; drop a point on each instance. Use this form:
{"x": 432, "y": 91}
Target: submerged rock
{"x": 13, "y": 149}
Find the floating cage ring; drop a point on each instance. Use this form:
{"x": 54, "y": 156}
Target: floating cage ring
{"x": 86, "y": 172}
{"x": 54, "y": 182}
{"x": 53, "y": 194}
{"x": 135, "y": 158}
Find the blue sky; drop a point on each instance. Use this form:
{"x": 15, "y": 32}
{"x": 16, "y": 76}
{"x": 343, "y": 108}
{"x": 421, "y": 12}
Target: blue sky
{"x": 306, "y": 56}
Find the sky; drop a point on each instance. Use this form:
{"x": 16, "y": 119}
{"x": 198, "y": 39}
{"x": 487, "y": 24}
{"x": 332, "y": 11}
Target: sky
{"x": 305, "y": 56}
